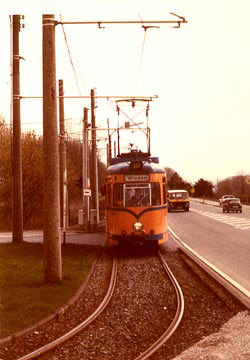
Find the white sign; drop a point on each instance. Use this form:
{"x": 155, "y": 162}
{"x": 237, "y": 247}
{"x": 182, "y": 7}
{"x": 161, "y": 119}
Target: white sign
{"x": 133, "y": 178}
{"x": 86, "y": 192}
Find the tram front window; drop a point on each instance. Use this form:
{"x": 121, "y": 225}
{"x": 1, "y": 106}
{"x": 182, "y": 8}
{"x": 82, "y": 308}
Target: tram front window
{"x": 136, "y": 195}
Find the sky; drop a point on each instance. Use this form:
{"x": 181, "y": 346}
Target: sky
{"x": 200, "y": 121}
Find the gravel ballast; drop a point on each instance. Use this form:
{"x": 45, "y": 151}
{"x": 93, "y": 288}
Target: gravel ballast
{"x": 140, "y": 311}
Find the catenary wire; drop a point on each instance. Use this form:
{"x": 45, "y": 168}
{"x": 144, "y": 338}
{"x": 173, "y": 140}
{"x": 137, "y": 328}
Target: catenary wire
{"x": 70, "y": 57}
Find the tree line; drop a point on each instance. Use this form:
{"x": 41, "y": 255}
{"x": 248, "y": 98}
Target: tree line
{"x": 32, "y": 168}
{"x": 199, "y": 189}
{"x": 238, "y": 185}
{"x": 32, "y": 175}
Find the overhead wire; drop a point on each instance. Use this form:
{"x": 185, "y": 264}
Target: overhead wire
{"x": 73, "y": 67}
{"x": 70, "y": 57}
{"x": 140, "y": 63}
{"x": 143, "y": 46}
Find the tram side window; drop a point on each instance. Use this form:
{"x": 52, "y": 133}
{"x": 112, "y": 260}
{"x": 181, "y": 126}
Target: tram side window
{"x": 118, "y": 195}
{"x": 164, "y": 187}
{"x": 108, "y": 195}
{"x": 156, "y": 194}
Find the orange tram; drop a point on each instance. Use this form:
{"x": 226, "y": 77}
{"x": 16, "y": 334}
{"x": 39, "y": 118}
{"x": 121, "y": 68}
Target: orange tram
{"x": 135, "y": 193}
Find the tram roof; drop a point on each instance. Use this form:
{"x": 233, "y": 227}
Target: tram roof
{"x": 121, "y": 164}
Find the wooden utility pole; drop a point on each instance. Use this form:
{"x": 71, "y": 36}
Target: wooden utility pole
{"x": 93, "y": 153}
{"x": 17, "y": 184}
{"x": 85, "y": 168}
{"x": 63, "y": 168}
{"x": 109, "y": 147}
{"x": 51, "y": 209}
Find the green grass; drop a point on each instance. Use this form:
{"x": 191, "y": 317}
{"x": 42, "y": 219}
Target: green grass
{"x": 24, "y": 297}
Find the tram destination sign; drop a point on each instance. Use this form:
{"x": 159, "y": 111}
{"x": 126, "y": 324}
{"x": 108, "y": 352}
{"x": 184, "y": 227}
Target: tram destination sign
{"x": 133, "y": 178}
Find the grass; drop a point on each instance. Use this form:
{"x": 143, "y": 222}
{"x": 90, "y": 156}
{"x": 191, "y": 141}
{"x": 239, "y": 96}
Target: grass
{"x": 24, "y": 297}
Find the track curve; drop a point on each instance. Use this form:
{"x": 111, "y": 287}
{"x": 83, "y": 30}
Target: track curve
{"x": 44, "y": 349}
{"x": 177, "y": 319}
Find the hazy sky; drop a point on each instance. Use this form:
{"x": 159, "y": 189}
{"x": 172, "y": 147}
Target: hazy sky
{"x": 200, "y": 123}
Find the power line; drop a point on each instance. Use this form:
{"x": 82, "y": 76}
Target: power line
{"x": 70, "y": 57}
{"x": 143, "y": 45}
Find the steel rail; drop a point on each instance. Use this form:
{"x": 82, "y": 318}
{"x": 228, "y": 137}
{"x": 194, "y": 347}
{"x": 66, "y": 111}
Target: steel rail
{"x": 177, "y": 319}
{"x": 238, "y": 291}
{"x": 81, "y": 326}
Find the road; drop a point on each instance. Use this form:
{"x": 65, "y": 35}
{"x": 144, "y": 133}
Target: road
{"x": 221, "y": 238}
{"x": 71, "y": 237}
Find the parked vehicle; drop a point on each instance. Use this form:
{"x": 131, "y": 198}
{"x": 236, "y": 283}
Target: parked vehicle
{"x": 232, "y": 204}
{"x": 224, "y": 197}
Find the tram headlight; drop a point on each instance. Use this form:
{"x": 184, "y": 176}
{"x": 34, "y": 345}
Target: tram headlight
{"x": 138, "y": 226}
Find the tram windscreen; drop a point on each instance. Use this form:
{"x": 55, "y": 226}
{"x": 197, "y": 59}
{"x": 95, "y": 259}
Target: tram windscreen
{"x": 137, "y": 195}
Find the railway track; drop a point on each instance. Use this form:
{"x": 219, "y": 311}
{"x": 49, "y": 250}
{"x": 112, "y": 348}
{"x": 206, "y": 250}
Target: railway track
{"x": 140, "y": 320}
{"x": 177, "y": 319}
{"x": 145, "y": 354}
{"x": 52, "y": 345}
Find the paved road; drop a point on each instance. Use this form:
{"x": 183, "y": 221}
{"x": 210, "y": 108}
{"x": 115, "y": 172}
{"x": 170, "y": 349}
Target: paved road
{"x": 221, "y": 238}
{"x": 71, "y": 237}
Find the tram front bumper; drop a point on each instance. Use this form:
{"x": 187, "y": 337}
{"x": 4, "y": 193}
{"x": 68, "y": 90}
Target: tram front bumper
{"x": 137, "y": 238}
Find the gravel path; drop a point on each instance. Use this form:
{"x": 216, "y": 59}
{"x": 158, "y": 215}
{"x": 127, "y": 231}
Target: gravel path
{"x": 232, "y": 342}
{"x": 142, "y": 308}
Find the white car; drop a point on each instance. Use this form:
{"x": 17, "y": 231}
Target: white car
{"x": 224, "y": 197}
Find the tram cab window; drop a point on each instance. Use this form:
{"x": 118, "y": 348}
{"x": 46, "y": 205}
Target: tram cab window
{"x": 137, "y": 195}
{"x": 156, "y": 194}
{"x": 118, "y": 195}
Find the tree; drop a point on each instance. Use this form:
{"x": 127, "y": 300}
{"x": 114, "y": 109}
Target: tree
{"x": 5, "y": 175}
{"x": 175, "y": 181}
{"x": 203, "y": 188}
{"x": 74, "y": 177}
{"x": 236, "y": 185}
{"x": 32, "y": 161}
{"x": 32, "y": 180}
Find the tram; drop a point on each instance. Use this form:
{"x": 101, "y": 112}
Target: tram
{"x": 135, "y": 198}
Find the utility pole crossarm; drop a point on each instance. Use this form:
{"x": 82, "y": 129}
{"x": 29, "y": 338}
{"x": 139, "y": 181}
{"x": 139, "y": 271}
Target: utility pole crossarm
{"x": 122, "y": 22}
{"x": 147, "y": 98}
